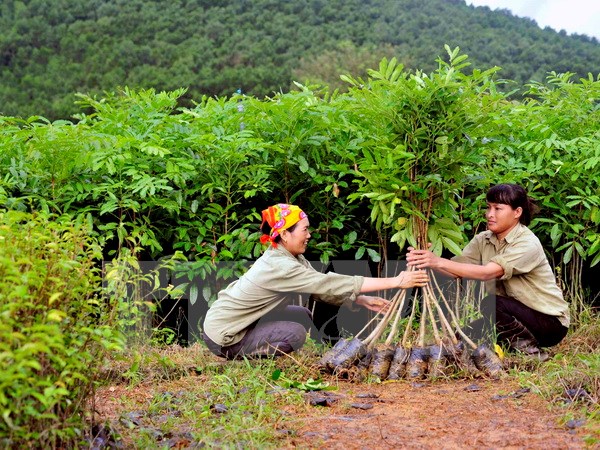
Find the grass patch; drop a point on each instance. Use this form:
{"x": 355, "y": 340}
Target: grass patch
{"x": 570, "y": 380}
{"x": 185, "y": 396}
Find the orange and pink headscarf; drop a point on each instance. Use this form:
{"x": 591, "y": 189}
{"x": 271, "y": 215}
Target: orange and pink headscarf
{"x": 280, "y": 217}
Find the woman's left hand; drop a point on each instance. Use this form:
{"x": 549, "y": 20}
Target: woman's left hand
{"x": 373, "y": 303}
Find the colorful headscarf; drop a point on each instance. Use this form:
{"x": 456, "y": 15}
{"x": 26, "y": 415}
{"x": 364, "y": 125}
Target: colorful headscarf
{"x": 280, "y": 217}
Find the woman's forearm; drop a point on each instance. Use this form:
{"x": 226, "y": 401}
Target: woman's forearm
{"x": 471, "y": 271}
{"x": 377, "y": 284}
{"x": 423, "y": 259}
{"x": 403, "y": 280}
{"x": 446, "y": 273}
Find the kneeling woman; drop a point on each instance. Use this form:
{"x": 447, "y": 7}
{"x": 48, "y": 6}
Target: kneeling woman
{"x": 529, "y": 307}
{"x": 253, "y": 316}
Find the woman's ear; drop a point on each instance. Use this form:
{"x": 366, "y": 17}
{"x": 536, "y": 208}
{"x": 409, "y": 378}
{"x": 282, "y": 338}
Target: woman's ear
{"x": 518, "y": 212}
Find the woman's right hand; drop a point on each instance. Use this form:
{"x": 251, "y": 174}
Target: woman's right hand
{"x": 412, "y": 278}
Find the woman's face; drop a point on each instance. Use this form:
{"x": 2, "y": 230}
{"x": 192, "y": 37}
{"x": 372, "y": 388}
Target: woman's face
{"x": 501, "y": 218}
{"x": 296, "y": 241}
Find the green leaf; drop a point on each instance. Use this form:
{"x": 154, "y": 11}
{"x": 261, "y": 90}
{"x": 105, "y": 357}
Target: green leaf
{"x": 303, "y": 164}
{"x": 375, "y": 212}
{"x": 451, "y": 245}
{"x": 456, "y": 236}
{"x": 579, "y": 249}
{"x": 568, "y": 255}
{"x": 375, "y": 256}
{"x": 359, "y": 253}
{"x": 193, "y": 294}
{"x": 351, "y": 237}
{"x": 55, "y": 315}
{"x": 437, "y": 247}
{"x": 555, "y": 234}
{"x": 595, "y": 247}
{"x": 226, "y": 254}
{"x": 7, "y": 419}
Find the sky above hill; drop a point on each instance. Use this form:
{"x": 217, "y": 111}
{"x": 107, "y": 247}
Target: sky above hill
{"x": 573, "y": 16}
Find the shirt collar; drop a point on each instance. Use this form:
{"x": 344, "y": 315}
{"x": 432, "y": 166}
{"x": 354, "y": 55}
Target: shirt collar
{"x": 514, "y": 233}
{"x": 510, "y": 237}
{"x": 281, "y": 249}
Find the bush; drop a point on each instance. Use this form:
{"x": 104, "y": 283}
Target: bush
{"x": 54, "y": 328}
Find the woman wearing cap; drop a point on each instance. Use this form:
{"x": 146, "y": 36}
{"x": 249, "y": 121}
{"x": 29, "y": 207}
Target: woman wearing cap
{"x": 530, "y": 310}
{"x": 253, "y": 316}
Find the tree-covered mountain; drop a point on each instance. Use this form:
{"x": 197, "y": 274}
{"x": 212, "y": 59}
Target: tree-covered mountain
{"x": 51, "y": 50}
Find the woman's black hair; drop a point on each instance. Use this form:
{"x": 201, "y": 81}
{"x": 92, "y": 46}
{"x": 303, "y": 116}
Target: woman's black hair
{"x": 516, "y": 197}
{"x": 266, "y": 229}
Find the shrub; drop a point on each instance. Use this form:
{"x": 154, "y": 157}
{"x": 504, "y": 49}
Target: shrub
{"x": 54, "y": 328}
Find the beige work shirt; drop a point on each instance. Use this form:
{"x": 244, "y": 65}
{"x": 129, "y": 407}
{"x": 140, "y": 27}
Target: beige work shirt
{"x": 271, "y": 282}
{"x": 527, "y": 277}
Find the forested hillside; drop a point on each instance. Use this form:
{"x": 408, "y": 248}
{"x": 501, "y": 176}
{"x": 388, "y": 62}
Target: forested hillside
{"x": 51, "y": 50}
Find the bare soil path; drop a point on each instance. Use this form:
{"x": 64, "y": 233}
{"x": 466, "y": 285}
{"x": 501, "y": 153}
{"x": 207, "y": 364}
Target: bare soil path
{"x": 463, "y": 414}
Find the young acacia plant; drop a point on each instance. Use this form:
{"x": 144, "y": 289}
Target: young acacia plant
{"x": 420, "y": 153}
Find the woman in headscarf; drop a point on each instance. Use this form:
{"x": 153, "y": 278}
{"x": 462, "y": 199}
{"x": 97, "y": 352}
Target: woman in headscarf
{"x": 254, "y": 315}
{"x": 530, "y": 311}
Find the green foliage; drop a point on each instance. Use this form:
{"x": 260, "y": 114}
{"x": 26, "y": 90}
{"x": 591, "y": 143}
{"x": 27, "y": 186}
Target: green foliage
{"x": 562, "y": 151}
{"x": 419, "y": 154}
{"x": 49, "y": 52}
{"x": 413, "y": 151}
{"x": 54, "y": 330}
{"x": 309, "y": 385}
{"x": 313, "y": 158}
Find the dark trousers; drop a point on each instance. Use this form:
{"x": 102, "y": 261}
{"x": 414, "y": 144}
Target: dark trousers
{"x": 277, "y": 333}
{"x": 502, "y": 311}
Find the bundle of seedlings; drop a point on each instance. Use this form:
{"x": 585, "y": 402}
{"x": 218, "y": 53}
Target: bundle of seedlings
{"x": 437, "y": 352}
{"x": 383, "y": 353}
{"x": 424, "y": 159}
{"x": 347, "y": 353}
{"x": 485, "y": 359}
{"x": 417, "y": 361}
{"x": 443, "y": 354}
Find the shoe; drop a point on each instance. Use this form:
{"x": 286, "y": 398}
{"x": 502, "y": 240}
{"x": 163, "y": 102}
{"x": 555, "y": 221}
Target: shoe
{"x": 521, "y": 339}
{"x": 530, "y": 348}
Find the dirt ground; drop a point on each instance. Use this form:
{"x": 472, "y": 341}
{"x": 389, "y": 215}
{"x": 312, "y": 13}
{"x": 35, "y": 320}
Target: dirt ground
{"x": 453, "y": 414}
{"x": 481, "y": 414}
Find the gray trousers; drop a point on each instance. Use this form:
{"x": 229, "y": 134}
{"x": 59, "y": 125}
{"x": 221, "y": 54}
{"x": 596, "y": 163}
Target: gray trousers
{"x": 277, "y": 333}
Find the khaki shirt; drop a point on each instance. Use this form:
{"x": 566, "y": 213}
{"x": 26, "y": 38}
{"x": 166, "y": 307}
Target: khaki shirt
{"x": 527, "y": 277}
{"x": 271, "y": 282}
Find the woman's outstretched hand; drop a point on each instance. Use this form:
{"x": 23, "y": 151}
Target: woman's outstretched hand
{"x": 412, "y": 278}
{"x": 373, "y": 303}
{"x": 421, "y": 259}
